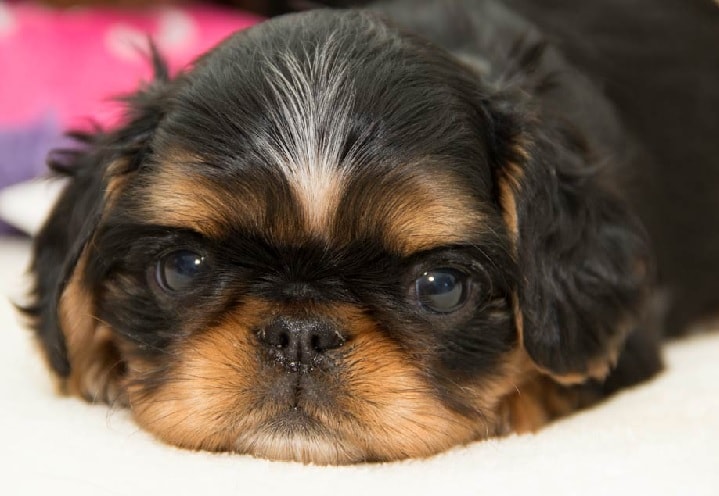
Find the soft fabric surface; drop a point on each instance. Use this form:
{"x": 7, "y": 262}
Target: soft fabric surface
{"x": 659, "y": 438}
{"x": 26, "y": 205}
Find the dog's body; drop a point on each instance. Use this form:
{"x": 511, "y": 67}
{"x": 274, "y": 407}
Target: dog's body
{"x": 332, "y": 240}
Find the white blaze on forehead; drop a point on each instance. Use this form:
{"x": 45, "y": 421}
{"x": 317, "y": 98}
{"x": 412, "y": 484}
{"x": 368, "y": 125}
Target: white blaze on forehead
{"x": 312, "y": 109}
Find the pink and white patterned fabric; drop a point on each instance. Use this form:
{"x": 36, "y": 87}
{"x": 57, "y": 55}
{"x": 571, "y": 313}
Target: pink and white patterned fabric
{"x": 69, "y": 63}
{"x": 62, "y": 69}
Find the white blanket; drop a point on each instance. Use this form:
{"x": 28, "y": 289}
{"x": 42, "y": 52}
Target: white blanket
{"x": 659, "y": 438}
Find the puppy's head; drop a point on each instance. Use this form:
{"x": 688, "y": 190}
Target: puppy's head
{"x": 329, "y": 242}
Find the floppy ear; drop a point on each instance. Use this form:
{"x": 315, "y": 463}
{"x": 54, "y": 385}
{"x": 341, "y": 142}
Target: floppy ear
{"x": 582, "y": 255}
{"x": 62, "y": 311}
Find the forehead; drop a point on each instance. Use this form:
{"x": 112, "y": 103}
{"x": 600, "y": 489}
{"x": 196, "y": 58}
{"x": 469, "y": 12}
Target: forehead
{"x": 328, "y": 125}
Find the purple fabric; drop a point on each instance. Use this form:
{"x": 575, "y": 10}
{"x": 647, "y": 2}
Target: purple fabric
{"x": 23, "y": 152}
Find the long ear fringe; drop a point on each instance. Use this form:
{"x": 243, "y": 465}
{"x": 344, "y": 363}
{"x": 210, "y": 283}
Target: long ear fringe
{"x": 584, "y": 257}
{"x": 56, "y": 251}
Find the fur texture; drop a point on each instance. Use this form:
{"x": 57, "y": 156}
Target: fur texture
{"x": 333, "y": 240}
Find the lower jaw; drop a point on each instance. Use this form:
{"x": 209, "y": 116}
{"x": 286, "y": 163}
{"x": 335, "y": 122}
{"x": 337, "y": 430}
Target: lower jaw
{"x": 305, "y": 446}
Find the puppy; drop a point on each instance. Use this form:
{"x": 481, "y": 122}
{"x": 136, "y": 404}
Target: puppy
{"x": 368, "y": 235}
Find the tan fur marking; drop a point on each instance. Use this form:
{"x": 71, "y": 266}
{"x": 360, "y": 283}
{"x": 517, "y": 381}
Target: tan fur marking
{"x": 518, "y": 317}
{"x": 176, "y": 200}
{"x": 535, "y": 403}
{"x": 96, "y": 368}
{"x": 536, "y": 399}
{"x": 115, "y": 182}
{"x": 598, "y": 368}
{"x": 423, "y": 212}
{"x": 206, "y": 396}
{"x": 397, "y": 415}
{"x": 413, "y": 214}
{"x": 509, "y": 187}
{"x": 320, "y": 200}
{"x": 175, "y": 196}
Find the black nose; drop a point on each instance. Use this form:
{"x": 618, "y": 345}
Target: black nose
{"x": 300, "y": 342}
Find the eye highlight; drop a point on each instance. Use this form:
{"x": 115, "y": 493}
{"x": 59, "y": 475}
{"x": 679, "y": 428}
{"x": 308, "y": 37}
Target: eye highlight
{"x": 177, "y": 270}
{"x": 442, "y": 290}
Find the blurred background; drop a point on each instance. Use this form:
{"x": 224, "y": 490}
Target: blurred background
{"x": 64, "y": 63}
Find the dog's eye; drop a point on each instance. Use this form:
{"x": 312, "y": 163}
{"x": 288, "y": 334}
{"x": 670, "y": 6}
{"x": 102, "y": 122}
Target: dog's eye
{"x": 176, "y": 271}
{"x": 441, "y": 290}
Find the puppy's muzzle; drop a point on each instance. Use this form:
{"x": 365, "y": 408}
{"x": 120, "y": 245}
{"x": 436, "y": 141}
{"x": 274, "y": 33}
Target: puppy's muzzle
{"x": 300, "y": 344}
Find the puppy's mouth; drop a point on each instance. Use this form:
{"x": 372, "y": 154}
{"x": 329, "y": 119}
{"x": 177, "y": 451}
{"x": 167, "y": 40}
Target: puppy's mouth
{"x": 293, "y": 421}
{"x": 295, "y": 436}
{"x": 303, "y": 420}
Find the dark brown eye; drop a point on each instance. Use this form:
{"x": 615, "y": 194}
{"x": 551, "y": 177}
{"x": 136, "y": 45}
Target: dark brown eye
{"x": 176, "y": 271}
{"x": 442, "y": 290}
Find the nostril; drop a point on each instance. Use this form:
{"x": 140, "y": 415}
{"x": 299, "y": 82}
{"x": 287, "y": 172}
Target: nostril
{"x": 277, "y": 335}
{"x": 300, "y": 340}
{"x": 315, "y": 343}
{"x": 323, "y": 337}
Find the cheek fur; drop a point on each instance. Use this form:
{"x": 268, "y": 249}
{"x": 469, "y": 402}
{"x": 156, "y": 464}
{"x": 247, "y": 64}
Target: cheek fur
{"x": 97, "y": 371}
{"x": 201, "y": 392}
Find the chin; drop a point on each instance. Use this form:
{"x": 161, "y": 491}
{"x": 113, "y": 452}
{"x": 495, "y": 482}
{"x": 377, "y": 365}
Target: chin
{"x": 332, "y": 240}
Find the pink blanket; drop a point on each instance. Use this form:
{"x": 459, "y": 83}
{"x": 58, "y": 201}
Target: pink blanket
{"x": 67, "y": 63}
{"x": 60, "y": 69}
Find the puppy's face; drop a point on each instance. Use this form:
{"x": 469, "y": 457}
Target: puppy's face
{"x": 259, "y": 314}
{"x": 308, "y": 247}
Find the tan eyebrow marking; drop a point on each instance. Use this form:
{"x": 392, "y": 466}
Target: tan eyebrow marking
{"x": 417, "y": 211}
